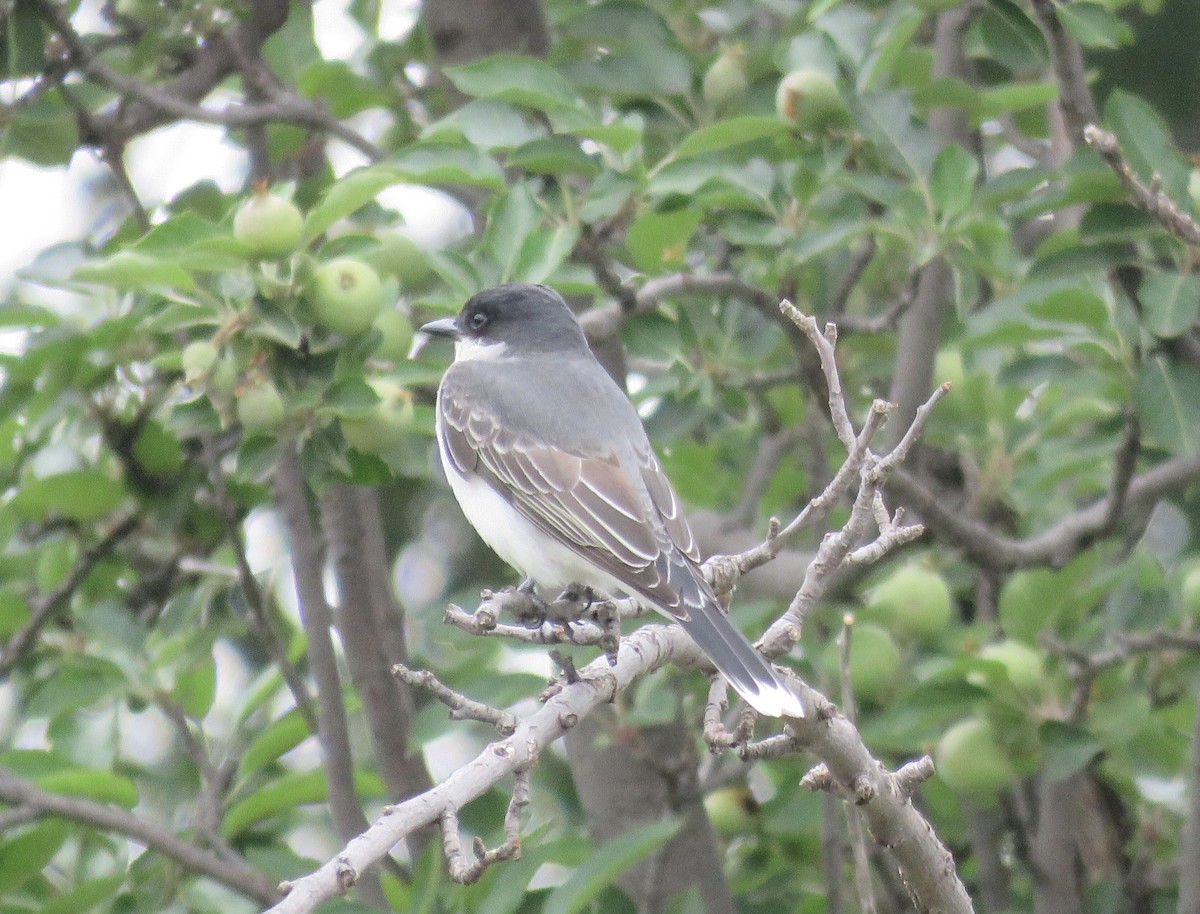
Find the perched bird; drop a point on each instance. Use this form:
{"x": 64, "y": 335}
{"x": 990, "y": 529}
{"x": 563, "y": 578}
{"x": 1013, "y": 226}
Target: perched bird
{"x": 552, "y": 467}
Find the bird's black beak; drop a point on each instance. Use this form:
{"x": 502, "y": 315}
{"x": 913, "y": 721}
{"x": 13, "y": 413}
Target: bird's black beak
{"x": 444, "y": 327}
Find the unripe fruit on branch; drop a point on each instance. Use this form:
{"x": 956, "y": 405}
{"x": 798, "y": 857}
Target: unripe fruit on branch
{"x": 913, "y": 602}
{"x": 268, "y": 225}
{"x": 199, "y": 358}
{"x": 811, "y": 100}
{"x": 397, "y": 335}
{"x": 346, "y": 296}
{"x": 383, "y": 430}
{"x": 259, "y": 407}
{"x": 725, "y": 81}
{"x": 972, "y": 762}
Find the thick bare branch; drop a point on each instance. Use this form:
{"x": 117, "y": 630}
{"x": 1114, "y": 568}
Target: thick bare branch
{"x": 308, "y": 561}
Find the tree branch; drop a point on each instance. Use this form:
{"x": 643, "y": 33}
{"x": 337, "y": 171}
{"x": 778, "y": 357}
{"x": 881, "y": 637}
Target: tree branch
{"x": 44, "y": 607}
{"x": 308, "y": 561}
{"x": 1149, "y": 197}
{"x": 233, "y": 873}
{"x": 1057, "y": 543}
{"x": 884, "y": 797}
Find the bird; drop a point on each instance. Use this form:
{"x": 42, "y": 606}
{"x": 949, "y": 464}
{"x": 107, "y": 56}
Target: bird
{"x": 551, "y": 465}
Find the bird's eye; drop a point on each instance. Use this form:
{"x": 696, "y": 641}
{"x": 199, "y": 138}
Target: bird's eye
{"x": 478, "y": 320}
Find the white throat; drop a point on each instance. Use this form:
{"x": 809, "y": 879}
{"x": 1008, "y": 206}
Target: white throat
{"x": 471, "y": 350}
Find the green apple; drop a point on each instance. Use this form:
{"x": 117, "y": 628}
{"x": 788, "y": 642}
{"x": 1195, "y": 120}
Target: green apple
{"x": 346, "y": 296}
{"x": 811, "y": 100}
{"x": 268, "y": 225}
{"x": 1189, "y": 588}
{"x": 1022, "y": 663}
{"x": 383, "y": 430}
{"x": 199, "y": 358}
{"x": 913, "y": 601}
{"x": 397, "y": 335}
{"x": 731, "y": 811}
{"x": 725, "y": 81}
{"x": 874, "y": 662}
{"x": 948, "y": 366}
{"x": 972, "y": 762}
{"x": 222, "y": 380}
{"x": 259, "y": 407}
{"x": 400, "y": 256}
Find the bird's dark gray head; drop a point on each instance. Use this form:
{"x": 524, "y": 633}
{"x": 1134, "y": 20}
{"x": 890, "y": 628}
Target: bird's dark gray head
{"x": 522, "y": 317}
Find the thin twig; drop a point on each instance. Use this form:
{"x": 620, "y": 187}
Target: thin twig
{"x": 461, "y": 707}
{"x": 1150, "y": 197}
{"x": 256, "y": 600}
{"x": 44, "y": 607}
{"x": 716, "y": 735}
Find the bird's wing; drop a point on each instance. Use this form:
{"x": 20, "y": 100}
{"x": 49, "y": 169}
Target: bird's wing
{"x": 588, "y": 501}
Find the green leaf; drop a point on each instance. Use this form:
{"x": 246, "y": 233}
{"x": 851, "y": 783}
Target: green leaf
{"x": 128, "y": 270}
{"x": 442, "y": 164}
{"x": 606, "y": 864}
{"x": 554, "y": 156}
{"x": 1165, "y": 395}
{"x": 1066, "y": 749}
{"x": 78, "y": 682}
{"x": 544, "y": 252}
{"x": 1073, "y": 305}
{"x": 279, "y": 737}
{"x": 1011, "y": 37}
{"x": 1013, "y": 97}
{"x": 1029, "y": 601}
{"x": 83, "y": 495}
{"x": 286, "y": 792}
{"x": 835, "y": 234}
{"x": 625, "y": 48}
{"x": 92, "y": 783}
{"x": 484, "y": 122}
{"x": 196, "y": 687}
{"x": 621, "y": 134}
{"x": 1146, "y": 143}
{"x": 511, "y": 219}
{"x": 952, "y": 183}
{"x": 658, "y": 241}
{"x": 347, "y": 195}
{"x": 1171, "y": 302}
{"x": 1092, "y": 25}
{"x": 525, "y": 81}
{"x": 84, "y": 897}
{"x": 14, "y": 610}
{"x": 339, "y": 87}
{"x": 45, "y": 132}
{"x": 351, "y": 397}
{"x": 729, "y": 133}
{"x": 887, "y": 119}
{"x": 25, "y": 856}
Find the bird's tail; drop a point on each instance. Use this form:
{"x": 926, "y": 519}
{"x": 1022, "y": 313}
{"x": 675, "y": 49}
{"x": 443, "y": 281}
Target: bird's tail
{"x": 748, "y": 671}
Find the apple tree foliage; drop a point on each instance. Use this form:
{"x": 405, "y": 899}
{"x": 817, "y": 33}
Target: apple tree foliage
{"x": 924, "y": 183}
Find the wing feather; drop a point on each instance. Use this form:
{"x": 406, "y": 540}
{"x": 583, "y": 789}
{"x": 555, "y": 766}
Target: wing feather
{"x": 588, "y": 501}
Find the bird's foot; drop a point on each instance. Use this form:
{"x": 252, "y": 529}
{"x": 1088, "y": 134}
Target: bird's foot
{"x": 609, "y": 620}
{"x": 525, "y": 605}
{"x": 580, "y": 596}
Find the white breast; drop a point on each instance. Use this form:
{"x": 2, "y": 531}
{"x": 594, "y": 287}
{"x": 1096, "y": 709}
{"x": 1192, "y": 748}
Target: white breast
{"x": 517, "y": 541}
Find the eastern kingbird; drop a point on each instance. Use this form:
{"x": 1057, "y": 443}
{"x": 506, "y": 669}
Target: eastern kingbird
{"x": 552, "y": 467}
